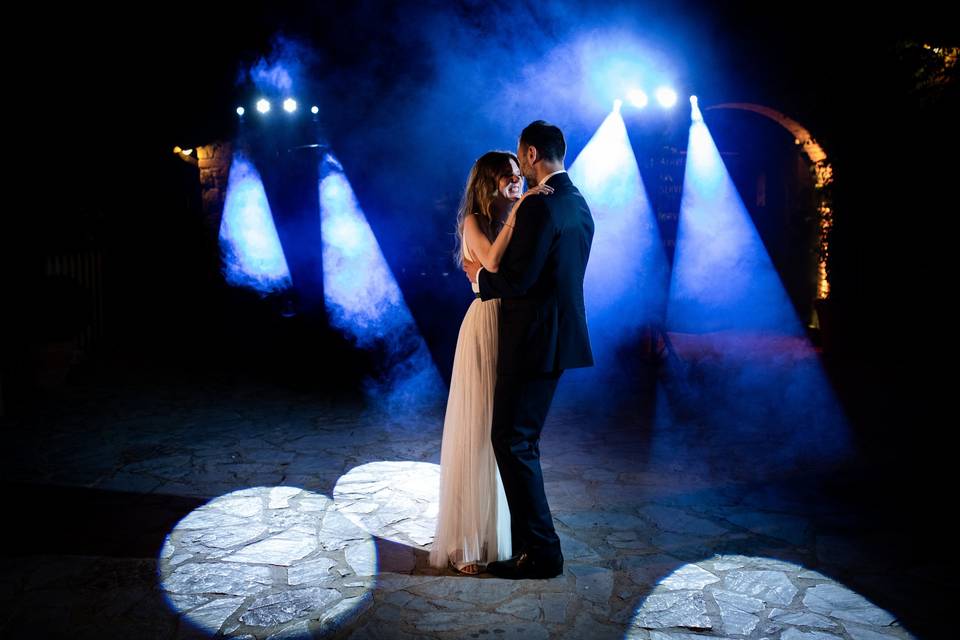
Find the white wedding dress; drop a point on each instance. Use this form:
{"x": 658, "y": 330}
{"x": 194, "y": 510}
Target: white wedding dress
{"x": 473, "y": 521}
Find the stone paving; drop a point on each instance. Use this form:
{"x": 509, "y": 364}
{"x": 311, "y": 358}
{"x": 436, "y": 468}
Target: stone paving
{"x": 313, "y": 518}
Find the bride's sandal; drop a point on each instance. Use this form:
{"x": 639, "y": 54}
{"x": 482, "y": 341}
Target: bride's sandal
{"x": 470, "y": 569}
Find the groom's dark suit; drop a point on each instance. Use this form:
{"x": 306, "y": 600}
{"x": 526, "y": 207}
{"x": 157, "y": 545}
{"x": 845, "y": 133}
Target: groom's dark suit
{"x": 543, "y": 330}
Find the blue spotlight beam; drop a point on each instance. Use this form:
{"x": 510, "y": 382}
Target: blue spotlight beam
{"x": 625, "y": 280}
{"x": 723, "y": 277}
{"x": 364, "y": 300}
{"x": 249, "y": 242}
{"x": 746, "y": 372}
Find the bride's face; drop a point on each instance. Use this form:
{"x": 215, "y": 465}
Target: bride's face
{"x": 510, "y": 185}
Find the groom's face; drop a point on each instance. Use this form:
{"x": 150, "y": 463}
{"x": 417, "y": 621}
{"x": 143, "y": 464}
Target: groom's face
{"x": 526, "y": 168}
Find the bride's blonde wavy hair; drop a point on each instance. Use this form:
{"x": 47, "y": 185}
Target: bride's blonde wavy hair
{"x": 478, "y": 196}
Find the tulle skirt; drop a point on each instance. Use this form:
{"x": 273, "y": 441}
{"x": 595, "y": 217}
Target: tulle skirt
{"x": 473, "y": 521}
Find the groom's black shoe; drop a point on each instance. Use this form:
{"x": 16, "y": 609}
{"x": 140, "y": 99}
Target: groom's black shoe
{"x": 528, "y": 565}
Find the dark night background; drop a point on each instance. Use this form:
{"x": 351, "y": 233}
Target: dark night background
{"x": 116, "y": 91}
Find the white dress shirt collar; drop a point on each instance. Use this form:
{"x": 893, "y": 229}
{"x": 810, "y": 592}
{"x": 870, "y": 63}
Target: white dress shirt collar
{"x": 548, "y": 176}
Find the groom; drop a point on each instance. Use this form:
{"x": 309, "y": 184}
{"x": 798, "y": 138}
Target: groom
{"x": 543, "y": 330}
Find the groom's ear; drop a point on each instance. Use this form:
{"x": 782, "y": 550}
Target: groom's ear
{"x": 532, "y": 154}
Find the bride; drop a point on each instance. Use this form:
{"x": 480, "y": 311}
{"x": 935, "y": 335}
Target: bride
{"x": 473, "y": 522}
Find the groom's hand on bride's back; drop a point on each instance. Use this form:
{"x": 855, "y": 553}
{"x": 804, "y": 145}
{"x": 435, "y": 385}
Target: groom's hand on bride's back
{"x": 471, "y": 268}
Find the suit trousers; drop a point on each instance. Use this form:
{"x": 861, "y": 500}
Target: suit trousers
{"x": 520, "y": 406}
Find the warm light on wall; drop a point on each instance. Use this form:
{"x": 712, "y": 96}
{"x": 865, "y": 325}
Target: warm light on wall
{"x": 185, "y": 154}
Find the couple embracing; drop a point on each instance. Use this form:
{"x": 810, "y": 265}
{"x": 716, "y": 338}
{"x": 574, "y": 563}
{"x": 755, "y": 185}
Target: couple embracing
{"x": 525, "y": 255}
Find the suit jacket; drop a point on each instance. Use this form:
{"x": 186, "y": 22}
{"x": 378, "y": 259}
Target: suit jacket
{"x": 543, "y": 322}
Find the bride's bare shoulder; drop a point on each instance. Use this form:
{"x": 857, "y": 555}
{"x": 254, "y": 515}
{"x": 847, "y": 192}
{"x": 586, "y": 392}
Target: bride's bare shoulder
{"x": 472, "y": 222}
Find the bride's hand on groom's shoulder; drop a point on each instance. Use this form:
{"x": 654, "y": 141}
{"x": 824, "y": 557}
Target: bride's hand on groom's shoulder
{"x": 545, "y": 189}
{"x": 541, "y": 189}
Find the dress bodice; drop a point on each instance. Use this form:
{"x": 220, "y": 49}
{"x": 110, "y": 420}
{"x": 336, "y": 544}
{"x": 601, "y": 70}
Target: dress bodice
{"x": 469, "y": 256}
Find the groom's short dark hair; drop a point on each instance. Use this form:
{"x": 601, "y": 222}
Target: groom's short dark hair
{"x": 546, "y": 138}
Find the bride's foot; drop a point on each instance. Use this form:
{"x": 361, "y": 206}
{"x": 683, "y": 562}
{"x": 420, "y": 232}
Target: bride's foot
{"x": 470, "y": 569}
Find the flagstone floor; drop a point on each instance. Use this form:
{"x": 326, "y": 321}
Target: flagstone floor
{"x": 241, "y": 509}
